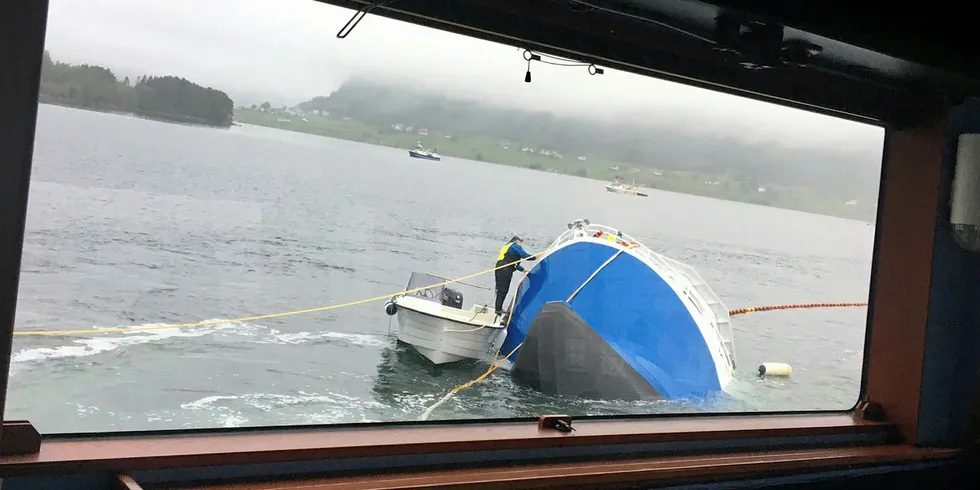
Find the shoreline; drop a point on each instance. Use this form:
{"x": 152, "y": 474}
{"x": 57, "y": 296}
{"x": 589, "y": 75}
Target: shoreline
{"x": 164, "y": 118}
{"x": 378, "y": 140}
{"x": 238, "y": 122}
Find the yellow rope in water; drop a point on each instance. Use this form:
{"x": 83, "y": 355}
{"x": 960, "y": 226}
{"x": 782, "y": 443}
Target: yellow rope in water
{"x": 261, "y": 317}
{"x": 754, "y": 309}
{"x": 493, "y": 366}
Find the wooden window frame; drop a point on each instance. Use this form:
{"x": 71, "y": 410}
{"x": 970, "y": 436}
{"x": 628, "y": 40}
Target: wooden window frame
{"x": 885, "y": 422}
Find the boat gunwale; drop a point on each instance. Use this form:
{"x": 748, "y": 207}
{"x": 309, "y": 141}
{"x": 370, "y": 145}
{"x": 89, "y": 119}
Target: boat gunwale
{"x": 465, "y": 322}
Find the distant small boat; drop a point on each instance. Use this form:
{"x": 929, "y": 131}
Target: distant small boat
{"x": 621, "y": 188}
{"x": 424, "y": 154}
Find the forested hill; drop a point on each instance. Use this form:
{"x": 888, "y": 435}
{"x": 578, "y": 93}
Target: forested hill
{"x": 835, "y": 175}
{"x": 168, "y": 97}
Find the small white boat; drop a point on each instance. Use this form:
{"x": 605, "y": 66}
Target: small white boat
{"x": 434, "y": 322}
{"x": 420, "y": 152}
{"x": 621, "y": 188}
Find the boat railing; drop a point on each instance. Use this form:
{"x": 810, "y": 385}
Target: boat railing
{"x": 668, "y": 265}
{"x": 705, "y": 294}
{"x": 703, "y": 298}
{"x": 722, "y": 323}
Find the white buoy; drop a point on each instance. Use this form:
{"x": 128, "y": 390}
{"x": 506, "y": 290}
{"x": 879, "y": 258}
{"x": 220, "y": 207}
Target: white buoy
{"x": 775, "y": 369}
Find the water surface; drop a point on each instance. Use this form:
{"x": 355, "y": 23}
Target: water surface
{"x": 134, "y": 222}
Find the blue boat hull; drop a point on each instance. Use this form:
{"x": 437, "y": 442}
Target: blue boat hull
{"x": 424, "y": 156}
{"x": 640, "y": 326}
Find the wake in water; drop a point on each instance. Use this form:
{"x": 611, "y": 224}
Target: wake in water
{"x": 324, "y": 383}
{"x": 69, "y": 348}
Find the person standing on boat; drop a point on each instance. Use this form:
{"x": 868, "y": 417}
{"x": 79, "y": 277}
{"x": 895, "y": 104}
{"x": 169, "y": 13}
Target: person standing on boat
{"x": 510, "y": 253}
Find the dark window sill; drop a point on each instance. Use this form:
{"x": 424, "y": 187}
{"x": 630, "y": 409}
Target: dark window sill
{"x": 614, "y": 474}
{"x": 377, "y": 447}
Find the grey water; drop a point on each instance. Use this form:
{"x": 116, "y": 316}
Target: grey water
{"x": 134, "y": 222}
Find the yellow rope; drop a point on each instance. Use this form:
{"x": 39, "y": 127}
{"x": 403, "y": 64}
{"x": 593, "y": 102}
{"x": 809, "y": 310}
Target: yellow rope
{"x": 262, "y": 317}
{"x": 493, "y": 367}
{"x": 754, "y": 309}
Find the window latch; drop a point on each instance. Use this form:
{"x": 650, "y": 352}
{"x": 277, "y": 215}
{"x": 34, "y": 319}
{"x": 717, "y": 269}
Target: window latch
{"x": 561, "y": 423}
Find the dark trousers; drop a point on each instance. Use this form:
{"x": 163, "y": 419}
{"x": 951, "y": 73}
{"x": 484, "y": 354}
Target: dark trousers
{"x": 503, "y": 277}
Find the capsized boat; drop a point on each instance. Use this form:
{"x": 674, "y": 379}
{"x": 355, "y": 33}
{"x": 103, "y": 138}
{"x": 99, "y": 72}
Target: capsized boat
{"x": 602, "y": 316}
{"x": 420, "y": 152}
{"x": 433, "y": 321}
{"x": 620, "y": 188}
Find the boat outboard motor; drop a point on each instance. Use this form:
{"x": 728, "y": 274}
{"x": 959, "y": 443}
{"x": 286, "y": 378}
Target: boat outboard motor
{"x": 452, "y": 298}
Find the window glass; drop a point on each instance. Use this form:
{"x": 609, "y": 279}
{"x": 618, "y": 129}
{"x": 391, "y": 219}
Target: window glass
{"x": 237, "y": 219}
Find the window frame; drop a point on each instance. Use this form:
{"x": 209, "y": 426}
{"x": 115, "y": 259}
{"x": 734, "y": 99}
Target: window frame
{"x": 888, "y": 413}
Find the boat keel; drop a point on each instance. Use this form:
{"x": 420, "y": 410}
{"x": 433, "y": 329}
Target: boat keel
{"x": 562, "y": 355}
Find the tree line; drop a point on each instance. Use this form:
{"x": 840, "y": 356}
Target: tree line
{"x": 163, "y": 97}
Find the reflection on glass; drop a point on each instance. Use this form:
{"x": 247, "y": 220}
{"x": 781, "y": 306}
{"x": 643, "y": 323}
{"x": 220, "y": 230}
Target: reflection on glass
{"x": 213, "y": 200}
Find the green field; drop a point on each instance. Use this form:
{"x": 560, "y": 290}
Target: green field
{"x": 721, "y": 186}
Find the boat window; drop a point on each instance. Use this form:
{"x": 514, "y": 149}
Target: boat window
{"x": 238, "y": 219}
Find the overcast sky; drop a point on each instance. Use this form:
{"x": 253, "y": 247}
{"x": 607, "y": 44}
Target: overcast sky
{"x": 287, "y": 50}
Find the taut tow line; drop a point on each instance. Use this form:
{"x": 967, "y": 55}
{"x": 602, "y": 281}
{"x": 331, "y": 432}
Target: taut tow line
{"x": 754, "y": 309}
{"x": 93, "y": 331}
{"x": 90, "y": 331}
